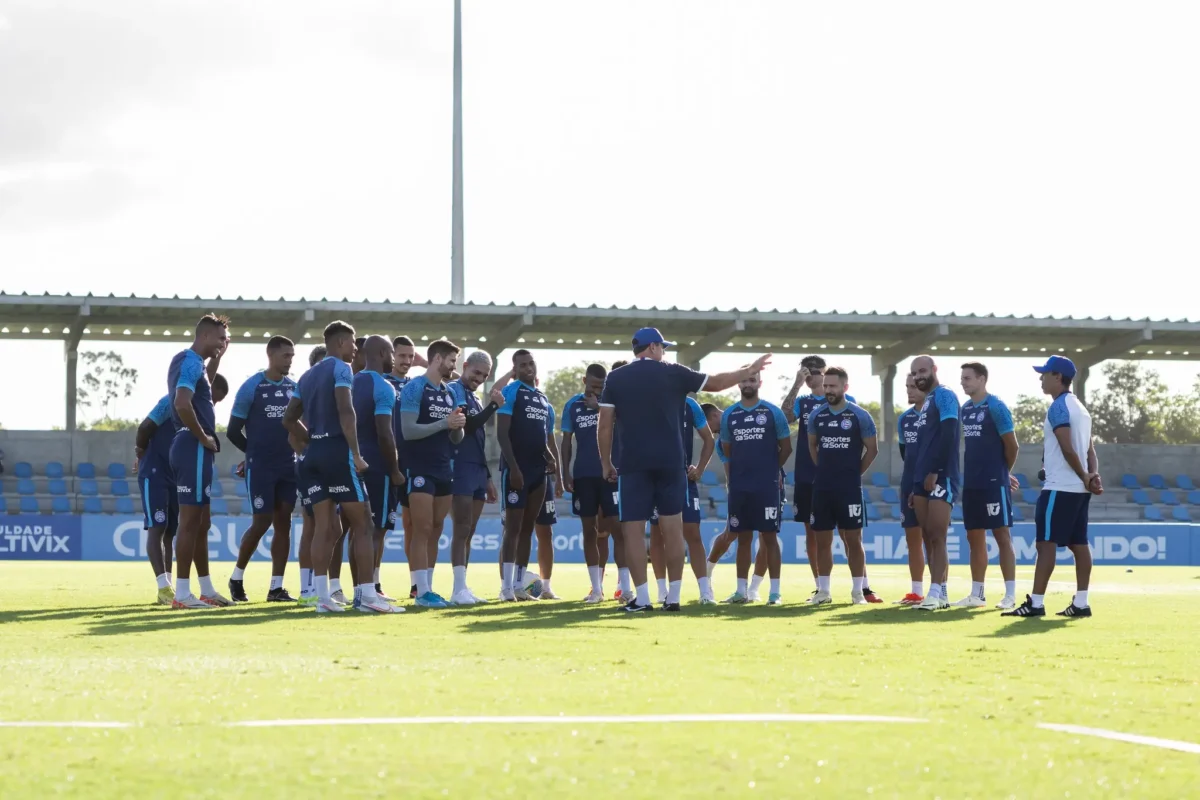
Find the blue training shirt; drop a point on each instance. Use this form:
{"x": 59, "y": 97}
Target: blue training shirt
{"x": 693, "y": 420}
{"x": 261, "y": 402}
{"x": 983, "y": 425}
{"x": 187, "y": 372}
{"x": 373, "y": 397}
{"x": 471, "y": 451}
{"x": 940, "y": 405}
{"x": 316, "y": 390}
{"x": 156, "y": 461}
{"x": 648, "y": 398}
{"x": 531, "y": 417}
{"x": 802, "y": 409}
{"x": 753, "y": 434}
{"x": 582, "y": 422}
{"x": 432, "y": 456}
{"x": 840, "y": 436}
{"x": 398, "y": 384}
{"x": 907, "y": 439}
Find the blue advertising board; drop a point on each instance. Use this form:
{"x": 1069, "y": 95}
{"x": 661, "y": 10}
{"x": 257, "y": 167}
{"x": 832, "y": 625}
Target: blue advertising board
{"x": 116, "y": 538}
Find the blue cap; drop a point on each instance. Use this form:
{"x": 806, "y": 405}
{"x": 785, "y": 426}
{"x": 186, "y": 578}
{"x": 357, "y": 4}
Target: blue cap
{"x": 1060, "y": 364}
{"x": 650, "y": 336}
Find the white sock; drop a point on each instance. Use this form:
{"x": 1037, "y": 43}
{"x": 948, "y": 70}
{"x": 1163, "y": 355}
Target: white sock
{"x": 377, "y": 574}
{"x": 594, "y": 574}
{"x": 412, "y": 575}
{"x": 712, "y": 565}
{"x": 1080, "y": 600}
{"x": 857, "y": 582}
{"x": 755, "y": 582}
{"x": 237, "y": 574}
{"x": 977, "y": 589}
{"x": 822, "y": 583}
{"x": 917, "y": 587}
{"x": 422, "y": 582}
{"x": 643, "y": 595}
{"x": 623, "y": 580}
{"x": 546, "y": 586}
{"x": 306, "y": 585}
{"x": 705, "y": 586}
{"x": 366, "y": 593}
{"x": 741, "y": 585}
{"x": 1039, "y": 600}
{"x": 183, "y": 588}
{"x": 507, "y": 571}
{"x": 460, "y": 580}
{"x": 1010, "y": 588}
{"x": 206, "y": 587}
{"x": 164, "y": 580}
{"x": 673, "y": 591}
{"x": 662, "y": 589}
{"x": 321, "y": 586}
{"x": 429, "y": 578}
{"x": 335, "y": 585}
{"x": 817, "y": 582}
{"x": 276, "y": 581}
{"x": 774, "y": 585}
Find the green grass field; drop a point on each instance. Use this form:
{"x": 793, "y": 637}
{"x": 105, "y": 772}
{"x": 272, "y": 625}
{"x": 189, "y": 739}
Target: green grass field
{"x": 82, "y": 642}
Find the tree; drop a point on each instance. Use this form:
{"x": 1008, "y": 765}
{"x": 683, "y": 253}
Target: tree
{"x": 563, "y": 384}
{"x": 107, "y": 379}
{"x": 110, "y": 424}
{"x": 1028, "y": 415}
{"x": 720, "y": 400}
{"x": 1129, "y": 409}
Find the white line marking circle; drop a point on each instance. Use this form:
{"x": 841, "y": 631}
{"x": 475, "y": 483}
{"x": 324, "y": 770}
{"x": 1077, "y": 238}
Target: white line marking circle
{"x": 575, "y": 720}
{"x": 1133, "y": 738}
{"x": 69, "y": 724}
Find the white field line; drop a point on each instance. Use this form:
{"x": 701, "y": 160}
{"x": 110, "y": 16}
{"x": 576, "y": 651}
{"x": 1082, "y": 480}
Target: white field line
{"x": 575, "y": 720}
{"x": 69, "y": 724}
{"x": 1133, "y": 738}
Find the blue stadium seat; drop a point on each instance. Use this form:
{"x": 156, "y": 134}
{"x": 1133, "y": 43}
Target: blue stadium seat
{"x": 956, "y": 513}
{"x": 873, "y": 512}
{"x": 1157, "y": 481}
{"x": 722, "y": 511}
{"x": 3, "y": 505}
{"x": 233, "y": 471}
{"x": 709, "y": 479}
{"x": 889, "y": 495}
{"x": 25, "y": 486}
{"x": 897, "y": 512}
{"x": 86, "y": 470}
{"x": 92, "y": 505}
{"x": 1193, "y": 497}
{"x": 124, "y": 505}
{"x": 1152, "y": 514}
{"x": 58, "y": 487}
{"x": 1129, "y": 481}
{"x": 54, "y": 469}
{"x": 789, "y": 479}
{"x": 719, "y": 494}
{"x": 89, "y": 487}
{"x": 216, "y": 490}
{"x": 29, "y": 506}
{"x": 61, "y": 505}
{"x": 1030, "y": 496}
{"x": 1018, "y": 514}
{"x": 1140, "y": 497}
{"x": 218, "y": 506}
{"x": 1181, "y": 514}
{"x": 879, "y": 480}
{"x": 23, "y": 469}
{"x": 1022, "y": 480}
{"x": 1168, "y": 498}
{"x": 120, "y": 488}
{"x": 246, "y": 507}
{"x": 239, "y": 488}
{"x": 116, "y": 471}
{"x": 1184, "y": 482}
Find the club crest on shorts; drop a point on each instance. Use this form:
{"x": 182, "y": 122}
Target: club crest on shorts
{"x": 513, "y": 497}
{"x": 761, "y": 419}
{"x": 846, "y": 423}
{"x": 258, "y": 503}
{"x": 160, "y": 516}
{"x": 208, "y": 491}
{"x": 418, "y": 482}
{"x": 733, "y": 522}
{"x": 391, "y": 516}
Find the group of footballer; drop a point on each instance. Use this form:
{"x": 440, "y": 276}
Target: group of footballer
{"x": 364, "y": 446}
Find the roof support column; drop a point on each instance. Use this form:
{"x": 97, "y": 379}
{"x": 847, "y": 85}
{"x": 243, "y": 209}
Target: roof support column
{"x": 887, "y": 413}
{"x": 693, "y": 353}
{"x": 71, "y": 353}
{"x": 1079, "y": 385}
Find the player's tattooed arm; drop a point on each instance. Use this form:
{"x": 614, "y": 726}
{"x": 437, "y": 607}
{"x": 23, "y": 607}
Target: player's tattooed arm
{"x": 789, "y": 402}
{"x": 414, "y": 430}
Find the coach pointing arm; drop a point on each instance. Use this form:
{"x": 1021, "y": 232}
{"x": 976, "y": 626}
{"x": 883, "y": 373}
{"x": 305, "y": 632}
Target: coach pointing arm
{"x": 725, "y": 380}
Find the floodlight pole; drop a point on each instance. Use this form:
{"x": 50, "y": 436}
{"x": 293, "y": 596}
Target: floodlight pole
{"x": 457, "y": 294}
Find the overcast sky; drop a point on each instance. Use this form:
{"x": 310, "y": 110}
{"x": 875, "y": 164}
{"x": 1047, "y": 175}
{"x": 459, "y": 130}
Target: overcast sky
{"x": 952, "y": 157}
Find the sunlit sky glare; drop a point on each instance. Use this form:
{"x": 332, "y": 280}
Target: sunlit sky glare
{"x": 1019, "y": 158}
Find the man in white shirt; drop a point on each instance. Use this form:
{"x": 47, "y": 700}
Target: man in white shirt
{"x": 1062, "y": 507}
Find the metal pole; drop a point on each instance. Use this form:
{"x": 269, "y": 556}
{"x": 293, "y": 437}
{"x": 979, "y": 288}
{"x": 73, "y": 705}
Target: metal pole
{"x": 457, "y": 294}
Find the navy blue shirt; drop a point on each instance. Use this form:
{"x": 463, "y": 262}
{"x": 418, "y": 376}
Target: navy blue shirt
{"x": 941, "y": 404}
{"x": 398, "y": 384}
{"x": 156, "y": 461}
{"x": 261, "y": 402}
{"x": 373, "y": 397}
{"x": 531, "y": 417}
{"x": 316, "y": 391}
{"x": 187, "y": 372}
{"x": 753, "y": 434}
{"x": 432, "y": 456}
{"x": 471, "y": 451}
{"x": 840, "y": 437}
{"x": 907, "y": 440}
{"x": 582, "y": 422}
{"x": 693, "y": 420}
{"x": 983, "y": 424}
{"x": 648, "y": 397}
{"x": 802, "y": 409}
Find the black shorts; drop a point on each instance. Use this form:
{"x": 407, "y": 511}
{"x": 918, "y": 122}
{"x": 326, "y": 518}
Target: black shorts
{"x": 987, "y": 509}
{"x": 402, "y": 494}
{"x": 534, "y": 477}
{"x": 945, "y": 490}
{"x": 327, "y": 473}
{"x": 648, "y": 491}
{"x": 802, "y": 502}
{"x": 838, "y": 508}
{"x": 593, "y": 495}
{"x": 1062, "y": 517}
{"x": 549, "y": 513}
{"x": 429, "y": 484}
{"x": 382, "y": 496}
{"x": 754, "y": 510}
